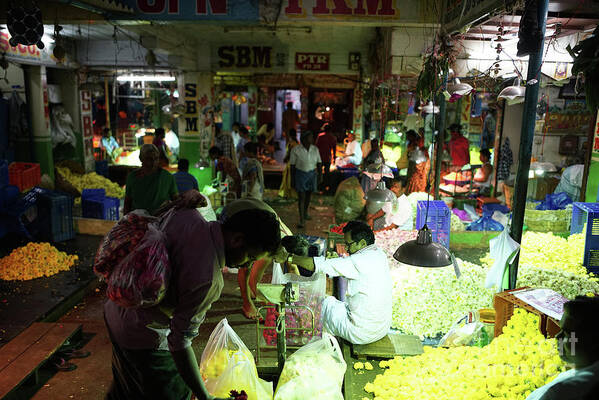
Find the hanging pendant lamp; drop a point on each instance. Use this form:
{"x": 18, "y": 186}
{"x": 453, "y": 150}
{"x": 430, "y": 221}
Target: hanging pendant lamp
{"x": 430, "y": 108}
{"x": 513, "y": 92}
{"x": 423, "y": 252}
{"x": 458, "y": 88}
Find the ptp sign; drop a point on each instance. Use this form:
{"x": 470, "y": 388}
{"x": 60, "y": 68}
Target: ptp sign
{"x": 312, "y": 61}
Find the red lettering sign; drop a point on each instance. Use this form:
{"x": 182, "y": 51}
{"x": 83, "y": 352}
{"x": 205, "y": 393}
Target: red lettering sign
{"x": 343, "y": 8}
{"x": 312, "y": 61}
{"x": 218, "y": 7}
{"x": 85, "y": 98}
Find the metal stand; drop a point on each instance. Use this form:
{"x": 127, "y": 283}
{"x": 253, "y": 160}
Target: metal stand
{"x": 282, "y": 296}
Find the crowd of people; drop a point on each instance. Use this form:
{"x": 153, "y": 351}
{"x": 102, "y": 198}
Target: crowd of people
{"x": 152, "y": 354}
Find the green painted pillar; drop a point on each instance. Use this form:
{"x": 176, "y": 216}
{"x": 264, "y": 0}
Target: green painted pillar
{"x": 253, "y": 107}
{"x": 195, "y": 136}
{"x": 39, "y": 117}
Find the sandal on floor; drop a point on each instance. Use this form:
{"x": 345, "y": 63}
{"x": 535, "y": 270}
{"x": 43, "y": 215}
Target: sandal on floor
{"x": 64, "y": 366}
{"x": 74, "y": 354}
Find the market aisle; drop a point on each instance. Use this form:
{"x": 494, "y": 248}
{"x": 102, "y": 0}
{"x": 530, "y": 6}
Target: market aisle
{"x": 93, "y": 375}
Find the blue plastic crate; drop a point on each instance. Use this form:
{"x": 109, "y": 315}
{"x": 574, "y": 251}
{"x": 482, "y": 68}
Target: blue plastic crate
{"x": 88, "y": 194}
{"x": 102, "y": 168}
{"x": 56, "y": 216}
{"x": 3, "y": 172}
{"x": 587, "y": 214}
{"x": 8, "y": 195}
{"x": 106, "y": 208}
{"x": 438, "y": 220}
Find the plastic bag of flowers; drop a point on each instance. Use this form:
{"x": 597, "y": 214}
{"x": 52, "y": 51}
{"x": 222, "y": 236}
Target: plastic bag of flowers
{"x": 315, "y": 371}
{"x": 228, "y": 365}
{"x": 312, "y": 291}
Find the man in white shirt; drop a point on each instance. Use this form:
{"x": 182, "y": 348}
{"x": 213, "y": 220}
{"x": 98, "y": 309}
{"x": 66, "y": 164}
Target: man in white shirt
{"x": 171, "y": 139}
{"x": 396, "y": 214}
{"x": 365, "y": 315}
{"x": 353, "y": 152}
{"x": 578, "y": 345}
{"x": 306, "y": 169}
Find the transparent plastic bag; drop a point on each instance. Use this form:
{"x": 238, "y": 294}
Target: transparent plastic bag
{"x": 227, "y": 365}
{"x": 315, "y": 371}
{"x": 141, "y": 278}
{"x": 312, "y": 291}
{"x": 467, "y": 331}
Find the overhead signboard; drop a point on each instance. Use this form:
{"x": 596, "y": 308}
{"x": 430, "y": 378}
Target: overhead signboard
{"x": 31, "y": 54}
{"x": 192, "y": 10}
{"x": 244, "y": 57}
{"x": 312, "y": 61}
{"x": 268, "y": 11}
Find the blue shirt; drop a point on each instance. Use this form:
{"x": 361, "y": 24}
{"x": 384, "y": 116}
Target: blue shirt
{"x": 185, "y": 181}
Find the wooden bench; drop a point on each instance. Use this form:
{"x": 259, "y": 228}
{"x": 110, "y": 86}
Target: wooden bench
{"x": 21, "y": 358}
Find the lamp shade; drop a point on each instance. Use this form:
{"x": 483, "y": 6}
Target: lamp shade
{"x": 423, "y": 252}
{"x": 513, "y": 92}
{"x": 430, "y": 108}
{"x": 459, "y": 88}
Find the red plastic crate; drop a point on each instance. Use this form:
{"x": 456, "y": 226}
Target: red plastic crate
{"x": 24, "y": 175}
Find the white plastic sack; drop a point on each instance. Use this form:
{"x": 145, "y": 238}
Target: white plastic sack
{"x": 315, "y": 371}
{"x": 500, "y": 217}
{"x": 61, "y": 127}
{"x": 471, "y": 212}
{"x": 503, "y": 250}
{"x": 207, "y": 211}
{"x": 227, "y": 365}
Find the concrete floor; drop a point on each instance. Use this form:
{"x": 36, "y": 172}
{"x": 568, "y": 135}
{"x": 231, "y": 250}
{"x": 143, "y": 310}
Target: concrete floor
{"x": 93, "y": 375}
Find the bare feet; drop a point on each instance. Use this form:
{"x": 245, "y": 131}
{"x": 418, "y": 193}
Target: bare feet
{"x": 250, "y": 311}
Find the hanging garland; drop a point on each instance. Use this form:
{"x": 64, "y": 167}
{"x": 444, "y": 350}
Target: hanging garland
{"x": 436, "y": 63}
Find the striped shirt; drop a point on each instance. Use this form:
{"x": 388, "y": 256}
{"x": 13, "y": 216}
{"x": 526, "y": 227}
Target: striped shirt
{"x": 185, "y": 181}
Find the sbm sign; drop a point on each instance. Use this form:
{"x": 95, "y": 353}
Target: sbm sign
{"x": 245, "y": 57}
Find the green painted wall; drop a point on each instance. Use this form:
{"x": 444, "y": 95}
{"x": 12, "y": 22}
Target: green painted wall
{"x": 593, "y": 181}
{"x": 42, "y": 148}
{"x": 190, "y": 146}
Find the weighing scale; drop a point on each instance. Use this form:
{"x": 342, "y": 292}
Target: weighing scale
{"x": 281, "y": 297}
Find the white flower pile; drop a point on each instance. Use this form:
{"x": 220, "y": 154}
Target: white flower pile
{"x": 428, "y": 301}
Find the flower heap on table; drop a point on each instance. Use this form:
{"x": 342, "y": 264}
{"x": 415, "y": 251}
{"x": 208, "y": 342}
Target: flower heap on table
{"x": 35, "y": 260}
{"x": 428, "y": 301}
{"x": 92, "y": 181}
{"x": 510, "y": 368}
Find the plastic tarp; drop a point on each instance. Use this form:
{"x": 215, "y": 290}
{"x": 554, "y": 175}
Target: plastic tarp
{"x": 485, "y": 224}
{"x": 555, "y": 201}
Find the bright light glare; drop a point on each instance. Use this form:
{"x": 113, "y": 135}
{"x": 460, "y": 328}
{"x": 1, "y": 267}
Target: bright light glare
{"x": 145, "y": 78}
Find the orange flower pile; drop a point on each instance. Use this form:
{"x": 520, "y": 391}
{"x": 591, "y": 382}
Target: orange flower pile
{"x": 35, "y": 260}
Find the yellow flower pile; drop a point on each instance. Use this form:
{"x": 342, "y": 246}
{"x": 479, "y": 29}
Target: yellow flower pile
{"x": 216, "y": 365}
{"x": 92, "y": 181}
{"x": 551, "y": 252}
{"x": 35, "y": 260}
{"x": 510, "y": 368}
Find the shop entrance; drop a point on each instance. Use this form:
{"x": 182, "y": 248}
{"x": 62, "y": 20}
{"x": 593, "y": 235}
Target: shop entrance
{"x": 333, "y": 107}
{"x": 283, "y": 97}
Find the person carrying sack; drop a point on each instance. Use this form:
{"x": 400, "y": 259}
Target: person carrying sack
{"x": 152, "y": 353}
